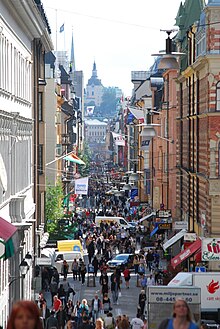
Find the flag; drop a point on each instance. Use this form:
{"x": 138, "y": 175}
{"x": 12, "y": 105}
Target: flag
{"x": 74, "y": 158}
{"x": 62, "y": 28}
{"x": 119, "y": 139}
{"x": 81, "y": 186}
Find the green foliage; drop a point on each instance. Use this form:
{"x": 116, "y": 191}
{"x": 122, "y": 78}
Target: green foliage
{"x": 86, "y": 156}
{"x": 53, "y": 206}
{"x": 108, "y": 106}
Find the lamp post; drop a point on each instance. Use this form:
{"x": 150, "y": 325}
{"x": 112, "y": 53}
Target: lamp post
{"x": 23, "y": 269}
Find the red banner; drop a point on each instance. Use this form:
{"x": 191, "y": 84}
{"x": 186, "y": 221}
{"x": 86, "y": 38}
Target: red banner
{"x": 184, "y": 254}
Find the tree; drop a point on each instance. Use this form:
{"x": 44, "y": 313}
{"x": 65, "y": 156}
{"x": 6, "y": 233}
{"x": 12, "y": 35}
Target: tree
{"x": 108, "y": 106}
{"x": 53, "y": 206}
{"x": 86, "y": 156}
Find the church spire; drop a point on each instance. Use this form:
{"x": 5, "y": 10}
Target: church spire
{"x": 94, "y": 71}
{"x": 72, "y": 57}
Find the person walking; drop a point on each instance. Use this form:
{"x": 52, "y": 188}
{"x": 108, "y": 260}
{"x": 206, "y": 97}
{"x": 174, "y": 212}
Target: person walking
{"x": 62, "y": 295}
{"x": 96, "y": 307}
{"x": 182, "y": 317}
{"x": 64, "y": 269}
{"x": 115, "y": 287}
{"x": 95, "y": 263}
{"x": 44, "y": 312}
{"x": 99, "y": 324}
{"x": 150, "y": 280}
{"x": 56, "y": 303}
{"x": 53, "y": 288}
{"x": 137, "y": 323}
{"x": 25, "y": 314}
{"x": 141, "y": 302}
{"x": 69, "y": 309}
{"x": 83, "y": 272}
{"x": 52, "y": 321}
{"x": 104, "y": 283}
{"x": 61, "y": 317}
{"x": 127, "y": 277}
{"x": 75, "y": 269}
{"x": 67, "y": 288}
{"x": 106, "y": 302}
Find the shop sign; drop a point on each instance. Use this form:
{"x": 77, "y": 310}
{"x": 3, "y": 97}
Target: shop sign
{"x": 210, "y": 249}
{"x": 165, "y": 213}
{"x": 164, "y": 226}
{"x": 181, "y": 225}
{"x": 190, "y": 237}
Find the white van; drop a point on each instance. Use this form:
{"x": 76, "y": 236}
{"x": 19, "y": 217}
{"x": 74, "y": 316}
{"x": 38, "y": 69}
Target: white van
{"x": 69, "y": 256}
{"x": 118, "y": 220}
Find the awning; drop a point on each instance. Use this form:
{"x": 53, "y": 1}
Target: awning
{"x": 138, "y": 114}
{"x": 183, "y": 255}
{"x": 154, "y": 231}
{"x": 147, "y": 217}
{"x": 74, "y": 158}
{"x": 174, "y": 239}
{"x": 9, "y": 237}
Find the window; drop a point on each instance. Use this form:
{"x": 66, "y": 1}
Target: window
{"x": 40, "y": 168}
{"x": 40, "y": 106}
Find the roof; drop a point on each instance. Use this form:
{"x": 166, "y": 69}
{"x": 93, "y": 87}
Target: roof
{"x": 95, "y": 122}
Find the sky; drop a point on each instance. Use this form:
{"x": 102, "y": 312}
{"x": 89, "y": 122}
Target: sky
{"x": 119, "y": 35}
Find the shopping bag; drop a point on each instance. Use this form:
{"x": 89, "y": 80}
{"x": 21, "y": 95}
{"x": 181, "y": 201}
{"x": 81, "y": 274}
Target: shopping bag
{"x": 119, "y": 294}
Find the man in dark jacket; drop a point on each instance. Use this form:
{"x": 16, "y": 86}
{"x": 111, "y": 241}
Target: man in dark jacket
{"x": 96, "y": 308}
{"x": 52, "y": 321}
{"x": 142, "y": 301}
{"x": 85, "y": 323}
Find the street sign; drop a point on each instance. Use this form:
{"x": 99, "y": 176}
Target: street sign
{"x": 200, "y": 269}
{"x": 181, "y": 225}
{"x": 43, "y": 261}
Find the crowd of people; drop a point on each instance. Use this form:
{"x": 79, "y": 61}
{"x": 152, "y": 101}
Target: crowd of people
{"x": 26, "y": 315}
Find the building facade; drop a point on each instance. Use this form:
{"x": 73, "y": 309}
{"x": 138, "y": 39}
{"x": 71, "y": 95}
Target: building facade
{"x": 20, "y": 37}
{"x": 198, "y": 128}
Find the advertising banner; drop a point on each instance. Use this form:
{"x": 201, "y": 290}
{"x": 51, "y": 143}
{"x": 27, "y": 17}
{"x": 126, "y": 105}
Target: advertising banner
{"x": 162, "y": 298}
{"x": 210, "y": 249}
{"x": 183, "y": 255}
{"x": 81, "y": 186}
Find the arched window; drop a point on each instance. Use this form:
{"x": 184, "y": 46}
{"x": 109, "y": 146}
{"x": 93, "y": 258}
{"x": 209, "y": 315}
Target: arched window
{"x": 218, "y": 96}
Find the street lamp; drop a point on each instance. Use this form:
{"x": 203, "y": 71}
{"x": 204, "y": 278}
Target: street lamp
{"x": 168, "y": 59}
{"x": 28, "y": 259}
{"x": 23, "y": 268}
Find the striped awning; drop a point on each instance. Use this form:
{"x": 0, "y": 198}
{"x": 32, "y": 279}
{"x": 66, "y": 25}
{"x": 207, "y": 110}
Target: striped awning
{"x": 8, "y": 239}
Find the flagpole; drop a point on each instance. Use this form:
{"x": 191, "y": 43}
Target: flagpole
{"x": 59, "y": 158}
{"x": 64, "y": 35}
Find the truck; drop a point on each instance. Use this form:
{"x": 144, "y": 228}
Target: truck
{"x": 209, "y": 283}
{"x": 69, "y": 245}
